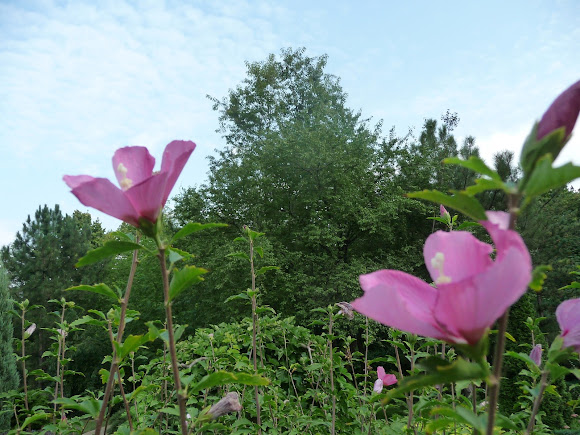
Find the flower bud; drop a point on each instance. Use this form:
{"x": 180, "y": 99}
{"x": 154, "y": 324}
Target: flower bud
{"x": 536, "y": 354}
{"x": 563, "y": 112}
{"x": 230, "y": 403}
{"x": 30, "y": 330}
{"x": 346, "y": 310}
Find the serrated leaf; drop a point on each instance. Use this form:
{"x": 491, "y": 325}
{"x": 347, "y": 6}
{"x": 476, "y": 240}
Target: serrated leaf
{"x": 101, "y": 289}
{"x": 174, "y": 256}
{"x": 263, "y": 270}
{"x": 194, "y": 227}
{"x": 545, "y": 177}
{"x": 260, "y": 251}
{"x": 475, "y": 164}
{"x": 461, "y": 202}
{"x": 109, "y": 249}
{"x": 223, "y": 378}
{"x": 184, "y": 278}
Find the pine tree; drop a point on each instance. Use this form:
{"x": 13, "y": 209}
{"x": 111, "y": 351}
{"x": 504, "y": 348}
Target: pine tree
{"x": 8, "y": 374}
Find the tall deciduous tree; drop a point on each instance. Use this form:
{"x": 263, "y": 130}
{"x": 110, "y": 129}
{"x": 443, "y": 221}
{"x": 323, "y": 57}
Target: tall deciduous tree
{"x": 318, "y": 179}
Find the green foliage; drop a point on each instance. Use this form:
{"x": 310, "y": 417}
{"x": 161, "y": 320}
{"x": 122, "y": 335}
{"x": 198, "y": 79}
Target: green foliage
{"x": 9, "y": 378}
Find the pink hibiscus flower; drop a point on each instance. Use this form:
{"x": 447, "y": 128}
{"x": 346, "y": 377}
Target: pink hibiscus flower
{"x": 143, "y": 193}
{"x": 471, "y": 290}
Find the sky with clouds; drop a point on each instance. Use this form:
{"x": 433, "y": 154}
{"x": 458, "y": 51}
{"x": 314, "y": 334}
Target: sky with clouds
{"x": 79, "y": 79}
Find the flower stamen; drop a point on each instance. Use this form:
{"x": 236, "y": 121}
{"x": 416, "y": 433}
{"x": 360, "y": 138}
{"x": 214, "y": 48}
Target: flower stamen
{"x": 125, "y": 182}
{"x": 437, "y": 263}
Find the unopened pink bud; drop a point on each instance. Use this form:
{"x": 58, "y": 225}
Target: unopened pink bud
{"x": 536, "y": 354}
{"x": 563, "y": 112}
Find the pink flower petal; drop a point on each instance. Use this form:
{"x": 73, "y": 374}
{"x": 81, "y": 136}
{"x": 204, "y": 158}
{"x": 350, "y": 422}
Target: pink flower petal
{"x": 103, "y": 195}
{"x": 399, "y": 300}
{"x": 175, "y": 157}
{"x": 468, "y": 307}
{"x": 568, "y": 316}
{"x": 147, "y": 196}
{"x": 464, "y": 255}
{"x": 138, "y": 162}
{"x": 378, "y": 387}
{"x": 504, "y": 239}
{"x": 381, "y": 372}
{"x": 76, "y": 180}
{"x": 499, "y": 218}
{"x": 389, "y": 380}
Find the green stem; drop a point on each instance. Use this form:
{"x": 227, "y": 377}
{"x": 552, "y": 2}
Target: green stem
{"x": 24, "y": 372}
{"x": 254, "y": 334}
{"x": 500, "y": 345}
{"x": 172, "y": 350}
{"x": 332, "y": 427}
{"x": 115, "y": 361}
{"x": 537, "y": 402}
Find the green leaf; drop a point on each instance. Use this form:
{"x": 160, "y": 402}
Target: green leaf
{"x": 463, "y": 415}
{"x": 123, "y": 236}
{"x": 146, "y": 431}
{"x": 133, "y": 342}
{"x": 525, "y": 358}
{"x": 223, "y": 378}
{"x": 483, "y": 184}
{"x": 184, "y": 278}
{"x": 539, "y": 276}
{"x": 468, "y": 224}
{"x": 243, "y": 296}
{"x": 475, "y": 164}
{"x": 90, "y": 406}
{"x": 557, "y": 371}
{"x": 241, "y": 255}
{"x": 194, "y": 227}
{"x": 174, "y": 256}
{"x": 34, "y": 418}
{"x": 177, "y": 333}
{"x": 109, "y": 249}
{"x": 461, "y": 202}
{"x": 101, "y": 289}
{"x": 263, "y": 270}
{"x": 533, "y": 149}
{"x": 438, "y": 219}
{"x": 545, "y": 177}
{"x": 260, "y": 251}
{"x": 439, "y": 371}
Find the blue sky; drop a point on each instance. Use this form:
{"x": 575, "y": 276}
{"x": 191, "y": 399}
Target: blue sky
{"x": 79, "y": 79}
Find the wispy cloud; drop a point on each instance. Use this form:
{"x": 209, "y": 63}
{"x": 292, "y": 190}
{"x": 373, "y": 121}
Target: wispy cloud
{"x": 80, "y": 79}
